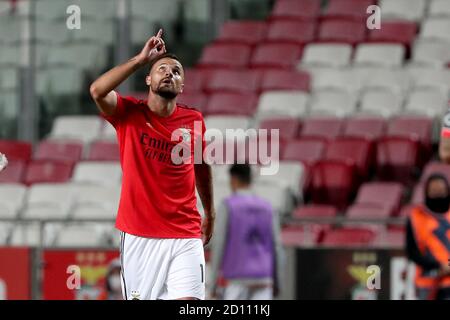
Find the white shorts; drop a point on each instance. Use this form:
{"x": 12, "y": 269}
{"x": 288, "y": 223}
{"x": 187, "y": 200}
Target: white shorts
{"x": 162, "y": 268}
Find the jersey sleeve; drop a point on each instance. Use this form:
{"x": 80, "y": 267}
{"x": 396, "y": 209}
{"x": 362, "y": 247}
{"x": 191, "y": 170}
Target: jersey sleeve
{"x": 122, "y": 110}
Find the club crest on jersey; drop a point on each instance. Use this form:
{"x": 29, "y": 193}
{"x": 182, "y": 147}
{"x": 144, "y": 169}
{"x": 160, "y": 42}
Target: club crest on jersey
{"x": 185, "y": 134}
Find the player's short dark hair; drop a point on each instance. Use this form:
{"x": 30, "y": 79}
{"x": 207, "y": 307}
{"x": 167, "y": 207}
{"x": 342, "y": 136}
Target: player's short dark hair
{"x": 242, "y": 172}
{"x": 164, "y": 55}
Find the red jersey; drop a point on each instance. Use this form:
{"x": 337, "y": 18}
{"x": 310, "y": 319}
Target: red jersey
{"x": 158, "y": 197}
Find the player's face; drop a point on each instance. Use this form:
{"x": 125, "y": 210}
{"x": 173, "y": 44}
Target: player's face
{"x": 166, "y": 78}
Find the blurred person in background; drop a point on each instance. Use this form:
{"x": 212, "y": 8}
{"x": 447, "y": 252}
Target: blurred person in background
{"x": 113, "y": 289}
{"x": 444, "y": 141}
{"x": 428, "y": 240}
{"x": 246, "y": 250}
{"x": 3, "y": 161}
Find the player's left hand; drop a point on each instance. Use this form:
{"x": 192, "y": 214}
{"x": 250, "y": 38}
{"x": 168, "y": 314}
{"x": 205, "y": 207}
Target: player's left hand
{"x": 3, "y": 161}
{"x": 207, "y": 228}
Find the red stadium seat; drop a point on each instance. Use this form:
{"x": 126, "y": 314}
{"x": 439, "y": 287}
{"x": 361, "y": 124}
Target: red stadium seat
{"x": 286, "y": 80}
{"x": 14, "y": 172}
{"x": 418, "y": 194}
{"x": 279, "y": 56}
{"x": 406, "y": 210}
{"x": 245, "y": 81}
{"x": 195, "y": 80}
{"x": 350, "y": 32}
{"x": 231, "y": 104}
{"x": 416, "y": 127}
{"x": 358, "y": 151}
{"x": 242, "y": 32}
{"x": 322, "y": 127}
{"x": 368, "y": 211}
{"x": 296, "y": 10}
{"x": 225, "y": 56}
{"x": 288, "y": 128}
{"x": 402, "y": 32}
{"x": 193, "y": 100}
{"x": 348, "y": 236}
{"x": 39, "y": 171}
{"x": 393, "y": 237}
{"x": 368, "y": 127}
{"x": 382, "y": 194}
{"x": 298, "y": 236}
{"x": 308, "y": 151}
{"x": 435, "y": 167}
{"x": 333, "y": 182}
{"x": 315, "y": 211}
{"x": 65, "y": 151}
{"x": 355, "y": 10}
{"x": 397, "y": 159}
{"x": 293, "y": 32}
{"x": 16, "y": 150}
{"x": 104, "y": 151}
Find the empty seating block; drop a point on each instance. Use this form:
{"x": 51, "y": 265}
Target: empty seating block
{"x": 411, "y": 10}
{"x": 193, "y": 100}
{"x": 242, "y": 32}
{"x": 14, "y": 172}
{"x": 95, "y": 202}
{"x": 286, "y": 80}
{"x": 381, "y": 194}
{"x": 431, "y": 52}
{"x": 370, "y": 128}
{"x": 435, "y": 29}
{"x": 349, "y": 237}
{"x": 315, "y": 211}
{"x": 105, "y": 173}
{"x": 104, "y": 151}
{"x": 233, "y": 81}
{"x": 322, "y": 127}
{"x": 331, "y": 79}
{"x": 40, "y": 171}
{"x": 231, "y": 104}
{"x": 16, "y": 150}
{"x": 439, "y": 8}
{"x": 381, "y": 103}
{"x": 195, "y": 79}
{"x": 342, "y": 31}
{"x": 307, "y": 151}
{"x": 225, "y": 56}
{"x": 282, "y": 104}
{"x": 333, "y": 103}
{"x": 80, "y": 235}
{"x": 326, "y": 55}
{"x": 296, "y": 10}
{"x": 283, "y": 56}
{"x": 430, "y": 102}
{"x": 64, "y": 151}
{"x": 348, "y": 9}
{"x": 83, "y": 128}
{"x": 294, "y": 32}
{"x": 288, "y": 128}
{"x": 382, "y": 55}
{"x": 395, "y": 31}
{"x": 12, "y": 197}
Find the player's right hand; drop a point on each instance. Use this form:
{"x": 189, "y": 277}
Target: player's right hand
{"x": 154, "y": 47}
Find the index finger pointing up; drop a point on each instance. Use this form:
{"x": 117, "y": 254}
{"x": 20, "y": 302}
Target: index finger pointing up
{"x": 159, "y": 34}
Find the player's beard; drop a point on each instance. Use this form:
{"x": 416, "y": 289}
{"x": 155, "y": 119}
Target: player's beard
{"x": 166, "y": 93}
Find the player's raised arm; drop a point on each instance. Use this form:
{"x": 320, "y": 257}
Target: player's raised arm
{"x": 102, "y": 89}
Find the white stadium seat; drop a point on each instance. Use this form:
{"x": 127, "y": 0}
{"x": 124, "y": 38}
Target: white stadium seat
{"x": 432, "y": 78}
{"x": 282, "y": 104}
{"x": 427, "y": 101}
{"x": 384, "y": 103}
{"x": 48, "y": 201}
{"x": 102, "y": 173}
{"x": 333, "y": 103}
{"x": 396, "y": 80}
{"x": 439, "y": 8}
{"x": 95, "y": 202}
{"x": 334, "y": 79}
{"x": 81, "y": 235}
{"x": 278, "y": 197}
{"x": 12, "y": 197}
{"x": 431, "y": 52}
{"x": 84, "y": 128}
{"x": 435, "y": 29}
{"x": 29, "y": 234}
{"x": 380, "y": 55}
{"x": 108, "y": 132}
{"x": 326, "y": 55}
{"x": 223, "y": 123}
{"x": 412, "y": 10}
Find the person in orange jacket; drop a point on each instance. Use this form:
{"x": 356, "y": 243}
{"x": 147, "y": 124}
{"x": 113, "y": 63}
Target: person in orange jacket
{"x": 428, "y": 240}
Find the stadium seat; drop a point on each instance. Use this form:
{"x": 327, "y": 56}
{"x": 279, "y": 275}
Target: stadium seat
{"x": 225, "y": 56}
{"x": 84, "y": 235}
{"x": 394, "y": 238}
{"x": 429, "y": 102}
{"x": 243, "y": 81}
{"x": 104, "y": 151}
{"x": 370, "y": 128}
{"x": 222, "y": 122}
{"x": 276, "y": 80}
{"x": 95, "y": 202}
{"x": 307, "y": 151}
{"x": 397, "y": 159}
{"x": 231, "y": 104}
{"x": 334, "y": 79}
{"x": 331, "y": 55}
{"x": 288, "y": 128}
{"x": 29, "y": 234}
{"x": 410, "y": 10}
{"x": 342, "y": 31}
{"x": 333, "y": 182}
{"x": 41, "y": 171}
{"x": 275, "y": 56}
{"x": 12, "y": 198}
{"x": 296, "y": 10}
{"x": 315, "y": 211}
{"x": 282, "y": 104}
{"x": 48, "y": 201}
{"x": 435, "y": 167}
{"x": 417, "y": 196}
{"x": 16, "y": 150}
{"x": 14, "y": 172}
{"x": 432, "y": 53}
{"x": 439, "y": 8}
{"x": 338, "y": 104}
{"x": 380, "y": 55}
{"x": 84, "y": 128}
{"x": 379, "y": 102}
{"x": 349, "y": 237}
{"x": 300, "y": 236}
{"x": 104, "y": 173}
{"x": 357, "y": 151}
{"x": 435, "y": 29}
{"x": 389, "y": 79}
{"x": 368, "y": 211}
{"x": 382, "y": 194}
{"x": 76, "y": 56}
{"x": 347, "y": 9}
{"x": 64, "y": 151}
{"x": 406, "y": 210}
{"x": 246, "y": 32}
{"x": 394, "y": 31}
{"x": 291, "y": 32}
{"x": 322, "y": 127}
{"x": 279, "y": 197}
{"x": 193, "y": 100}
{"x": 195, "y": 79}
